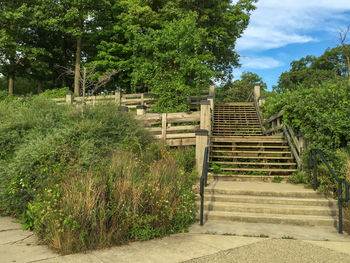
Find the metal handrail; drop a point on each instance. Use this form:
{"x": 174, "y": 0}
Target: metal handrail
{"x": 203, "y": 182}
{"x": 341, "y": 182}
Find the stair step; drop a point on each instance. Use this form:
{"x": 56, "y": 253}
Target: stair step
{"x": 245, "y": 177}
{"x": 270, "y": 193}
{"x": 253, "y": 157}
{"x": 321, "y": 202}
{"x": 255, "y": 152}
{"x": 283, "y": 170}
{"x": 269, "y": 208}
{"x": 260, "y": 139}
{"x": 249, "y": 146}
{"x": 271, "y": 218}
{"x": 255, "y": 163}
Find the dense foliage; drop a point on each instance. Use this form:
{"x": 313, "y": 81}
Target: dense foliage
{"x": 86, "y": 178}
{"x": 310, "y": 71}
{"x": 165, "y": 47}
{"x": 239, "y": 90}
{"x": 315, "y": 98}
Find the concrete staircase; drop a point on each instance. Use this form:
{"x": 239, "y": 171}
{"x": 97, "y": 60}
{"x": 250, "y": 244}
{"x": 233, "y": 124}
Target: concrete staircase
{"x": 260, "y": 202}
{"x": 243, "y": 161}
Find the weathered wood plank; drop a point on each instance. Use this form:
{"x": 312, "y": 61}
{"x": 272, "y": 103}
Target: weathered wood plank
{"x": 294, "y": 151}
{"x": 180, "y": 135}
{"x": 274, "y": 117}
{"x": 181, "y": 142}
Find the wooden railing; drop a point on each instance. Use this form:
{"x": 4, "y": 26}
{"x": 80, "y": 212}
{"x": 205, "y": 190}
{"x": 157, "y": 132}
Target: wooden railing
{"x": 296, "y": 143}
{"x": 255, "y": 97}
{"x": 130, "y": 100}
{"x": 174, "y": 129}
{"x": 275, "y": 124}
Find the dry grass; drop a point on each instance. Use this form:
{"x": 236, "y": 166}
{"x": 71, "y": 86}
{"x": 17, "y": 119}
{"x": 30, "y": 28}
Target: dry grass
{"x": 126, "y": 200}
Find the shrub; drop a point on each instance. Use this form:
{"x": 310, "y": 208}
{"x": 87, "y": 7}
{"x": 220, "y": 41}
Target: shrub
{"x": 36, "y": 134}
{"x": 55, "y": 93}
{"x": 85, "y": 178}
{"x": 121, "y": 199}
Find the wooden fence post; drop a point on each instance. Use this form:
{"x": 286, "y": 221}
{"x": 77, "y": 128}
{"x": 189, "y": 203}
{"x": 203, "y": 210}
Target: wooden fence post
{"x": 256, "y": 92}
{"x": 212, "y": 90}
{"x": 142, "y": 99}
{"x": 124, "y": 108}
{"x": 202, "y": 141}
{"x": 205, "y": 120}
{"x": 118, "y": 97}
{"x": 212, "y": 101}
{"x": 261, "y": 100}
{"x": 69, "y": 98}
{"x": 164, "y": 126}
{"x": 140, "y": 110}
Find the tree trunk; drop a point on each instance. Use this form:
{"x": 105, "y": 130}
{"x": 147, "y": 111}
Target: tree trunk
{"x": 40, "y": 87}
{"x": 77, "y": 68}
{"x": 84, "y": 83}
{"x": 11, "y": 83}
{"x": 348, "y": 61}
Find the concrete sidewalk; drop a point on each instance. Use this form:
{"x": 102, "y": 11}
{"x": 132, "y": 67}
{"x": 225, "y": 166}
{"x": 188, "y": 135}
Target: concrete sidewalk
{"x": 17, "y": 245}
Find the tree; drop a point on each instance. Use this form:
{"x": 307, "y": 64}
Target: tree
{"x": 12, "y": 52}
{"x": 310, "y": 71}
{"x": 239, "y": 90}
{"x": 343, "y": 35}
{"x": 169, "y": 63}
{"x": 71, "y": 18}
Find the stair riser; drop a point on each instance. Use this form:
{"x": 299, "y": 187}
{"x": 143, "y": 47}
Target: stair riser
{"x": 304, "y": 222}
{"x": 245, "y": 178}
{"x": 266, "y": 210}
{"x": 276, "y": 201}
{"x": 303, "y": 194}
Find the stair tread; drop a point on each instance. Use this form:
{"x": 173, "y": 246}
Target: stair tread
{"x": 275, "y": 198}
{"x": 271, "y": 206}
{"x": 250, "y": 146}
{"x": 253, "y": 157}
{"x": 254, "y": 163}
{"x": 270, "y": 152}
{"x": 258, "y": 169}
{"x": 271, "y": 215}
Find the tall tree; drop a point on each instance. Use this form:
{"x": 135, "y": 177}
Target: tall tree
{"x": 71, "y": 18}
{"x": 13, "y": 18}
{"x": 239, "y": 90}
{"x": 309, "y": 71}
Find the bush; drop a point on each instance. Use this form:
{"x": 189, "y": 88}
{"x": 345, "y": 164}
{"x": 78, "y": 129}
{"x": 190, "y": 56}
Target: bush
{"x": 36, "y": 134}
{"x": 90, "y": 177}
{"x": 55, "y": 93}
{"x": 121, "y": 199}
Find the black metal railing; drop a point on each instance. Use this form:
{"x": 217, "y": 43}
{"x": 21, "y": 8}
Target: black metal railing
{"x": 341, "y": 182}
{"x": 203, "y": 182}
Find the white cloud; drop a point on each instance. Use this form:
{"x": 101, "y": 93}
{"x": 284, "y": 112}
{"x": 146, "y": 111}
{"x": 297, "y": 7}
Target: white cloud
{"x": 277, "y": 23}
{"x": 259, "y": 62}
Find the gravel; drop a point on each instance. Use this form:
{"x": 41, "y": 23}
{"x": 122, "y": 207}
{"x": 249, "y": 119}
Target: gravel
{"x": 276, "y": 250}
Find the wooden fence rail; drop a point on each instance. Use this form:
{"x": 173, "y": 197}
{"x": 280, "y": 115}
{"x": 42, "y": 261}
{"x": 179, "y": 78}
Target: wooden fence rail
{"x": 130, "y": 100}
{"x": 174, "y": 129}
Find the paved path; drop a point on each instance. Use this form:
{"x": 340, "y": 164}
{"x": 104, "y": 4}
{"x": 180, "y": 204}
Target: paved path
{"x": 17, "y": 245}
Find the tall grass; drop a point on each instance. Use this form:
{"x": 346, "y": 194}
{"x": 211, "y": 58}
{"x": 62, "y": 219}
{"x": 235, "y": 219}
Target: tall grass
{"x": 90, "y": 177}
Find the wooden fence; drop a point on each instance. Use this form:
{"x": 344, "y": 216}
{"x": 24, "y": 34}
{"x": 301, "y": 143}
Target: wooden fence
{"x": 175, "y": 129}
{"x": 274, "y": 125}
{"x": 130, "y": 100}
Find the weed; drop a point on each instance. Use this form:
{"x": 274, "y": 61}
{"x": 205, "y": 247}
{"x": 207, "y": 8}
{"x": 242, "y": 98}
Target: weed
{"x": 277, "y": 179}
{"x": 229, "y": 234}
{"x": 261, "y": 235}
{"x": 287, "y": 237}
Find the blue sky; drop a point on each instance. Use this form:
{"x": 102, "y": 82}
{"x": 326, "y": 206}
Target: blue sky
{"x": 281, "y": 31}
